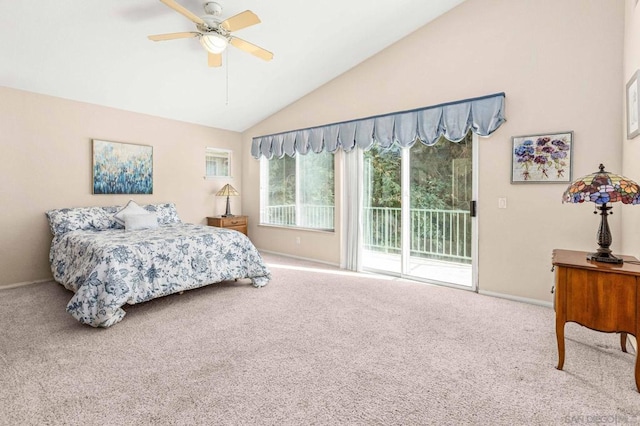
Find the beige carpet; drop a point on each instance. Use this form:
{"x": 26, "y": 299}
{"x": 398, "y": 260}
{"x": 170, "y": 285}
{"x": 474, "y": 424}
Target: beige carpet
{"x": 316, "y": 346}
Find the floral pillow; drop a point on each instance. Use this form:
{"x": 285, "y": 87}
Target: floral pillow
{"x": 79, "y": 218}
{"x": 100, "y": 218}
{"x": 166, "y": 213}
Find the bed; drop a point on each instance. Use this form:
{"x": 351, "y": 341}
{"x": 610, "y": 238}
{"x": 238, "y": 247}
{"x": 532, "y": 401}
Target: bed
{"x": 112, "y": 256}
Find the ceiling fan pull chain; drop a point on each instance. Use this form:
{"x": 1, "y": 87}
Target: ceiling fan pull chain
{"x": 226, "y": 59}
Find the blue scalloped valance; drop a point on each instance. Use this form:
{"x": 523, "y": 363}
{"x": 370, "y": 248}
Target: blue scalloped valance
{"x": 452, "y": 120}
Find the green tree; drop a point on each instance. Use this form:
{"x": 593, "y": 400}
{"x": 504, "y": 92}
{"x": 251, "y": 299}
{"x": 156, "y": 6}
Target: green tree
{"x": 440, "y": 175}
{"x": 282, "y": 181}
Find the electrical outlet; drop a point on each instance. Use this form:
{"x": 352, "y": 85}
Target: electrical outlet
{"x": 297, "y": 240}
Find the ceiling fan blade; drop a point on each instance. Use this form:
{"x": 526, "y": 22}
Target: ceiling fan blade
{"x": 251, "y": 48}
{"x": 215, "y": 60}
{"x": 172, "y": 36}
{"x": 241, "y": 20}
{"x": 181, "y": 9}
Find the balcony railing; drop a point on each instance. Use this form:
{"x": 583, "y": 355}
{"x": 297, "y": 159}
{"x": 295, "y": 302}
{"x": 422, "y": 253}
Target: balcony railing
{"x": 435, "y": 234}
{"x": 310, "y": 216}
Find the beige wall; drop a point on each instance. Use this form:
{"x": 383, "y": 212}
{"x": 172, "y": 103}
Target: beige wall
{"x": 45, "y": 158}
{"x": 631, "y": 148}
{"x": 560, "y": 65}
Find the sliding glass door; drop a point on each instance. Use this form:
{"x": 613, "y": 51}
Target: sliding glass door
{"x": 382, "y": 209}
{"x": 416, "y": 211}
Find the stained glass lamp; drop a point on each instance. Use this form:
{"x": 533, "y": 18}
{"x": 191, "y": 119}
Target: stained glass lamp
{"x": 227, "y": 191}
{"x": 601, "y": 188}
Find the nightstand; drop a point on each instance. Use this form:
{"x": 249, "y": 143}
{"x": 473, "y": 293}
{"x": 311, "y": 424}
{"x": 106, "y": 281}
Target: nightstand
{"x": 239, "y": 223}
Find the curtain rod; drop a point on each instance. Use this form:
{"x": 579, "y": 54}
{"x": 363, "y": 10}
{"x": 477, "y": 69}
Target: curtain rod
{"x": 388, "y": 114}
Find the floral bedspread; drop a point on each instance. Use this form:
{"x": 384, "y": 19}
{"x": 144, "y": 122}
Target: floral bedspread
{"x": 109, "y": 268}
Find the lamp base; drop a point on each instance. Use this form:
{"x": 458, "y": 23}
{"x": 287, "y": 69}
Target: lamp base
{"x": 227, "y": 215}
{"x": 227, "y": 212}
{"x": 603, "y": 254}
{"x": 605, "y": 258}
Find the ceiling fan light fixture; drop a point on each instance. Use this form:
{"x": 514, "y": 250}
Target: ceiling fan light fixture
{"x": 214, "y": 42}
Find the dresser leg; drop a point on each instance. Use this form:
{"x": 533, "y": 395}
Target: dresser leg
{"x": 560, "y": 338}
{"x": 623, "y": 341}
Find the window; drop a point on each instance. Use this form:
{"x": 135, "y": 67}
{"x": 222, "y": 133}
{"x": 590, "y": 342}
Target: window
{"x": 217, "y": 163}
{"x": 298, "y": 192}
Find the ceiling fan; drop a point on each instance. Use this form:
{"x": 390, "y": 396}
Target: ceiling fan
{"x": 214, "y": 34}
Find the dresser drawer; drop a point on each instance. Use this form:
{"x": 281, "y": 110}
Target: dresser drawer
{"x": 242, "y": 229}
{"x": 228, "y": 222}
{"x": 238, "y": 223}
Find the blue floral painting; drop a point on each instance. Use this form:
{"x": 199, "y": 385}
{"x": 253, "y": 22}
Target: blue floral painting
{"x": 122, "y": 168}
{"x": 542, "y": 158}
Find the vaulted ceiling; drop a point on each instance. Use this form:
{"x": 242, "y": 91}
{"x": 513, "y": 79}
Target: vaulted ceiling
{"x": 97, "y": 51}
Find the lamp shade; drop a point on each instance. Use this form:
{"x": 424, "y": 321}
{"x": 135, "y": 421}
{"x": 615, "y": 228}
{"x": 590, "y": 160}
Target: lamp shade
{"x": 214, "y": 42}
{"x": 601, "y": 188}
{"x": 226, "y": 191}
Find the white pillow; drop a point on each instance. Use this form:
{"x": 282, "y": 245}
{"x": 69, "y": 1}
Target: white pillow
{"x": 133, "y": 222}
{"x": 131, "y": 208}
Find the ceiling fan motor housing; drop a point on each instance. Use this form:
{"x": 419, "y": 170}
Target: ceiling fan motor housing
{"x": 212, "y": 24}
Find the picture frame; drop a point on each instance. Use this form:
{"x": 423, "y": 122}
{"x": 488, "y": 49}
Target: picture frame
{"x": 542, "y": 158}
{"x": 122, "y": 168}
{"x": 633, "y": 106}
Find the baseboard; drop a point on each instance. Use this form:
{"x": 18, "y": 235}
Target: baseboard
{"x": 517, "y": 298}
{"x": 24, "y": 284}
{"x": 299, "y": 257}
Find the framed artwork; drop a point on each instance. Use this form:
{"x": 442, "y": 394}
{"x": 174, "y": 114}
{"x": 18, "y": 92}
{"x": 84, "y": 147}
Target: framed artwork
{"x": 122, "y": 168}
{"x": 633, "y": 107}
{"x": 544, "y": 158}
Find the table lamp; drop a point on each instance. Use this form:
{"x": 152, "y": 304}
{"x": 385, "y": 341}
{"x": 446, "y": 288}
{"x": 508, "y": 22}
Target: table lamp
{"x": 601, "y": 188}
{"x": 227, "y": 190}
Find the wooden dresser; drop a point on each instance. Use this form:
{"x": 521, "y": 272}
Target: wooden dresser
{"x": 239, "y": 223}
{"x": 600, "y": 296}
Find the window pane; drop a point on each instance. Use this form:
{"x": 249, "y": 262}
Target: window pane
{"x": 217, "y": 163}
{"x": 382, "y": 206}
{"x": 280, "y": 191}
{"x": 298, "y": 191}
{"x": 441, "y": 189}
{"x": 316, "y": 192}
